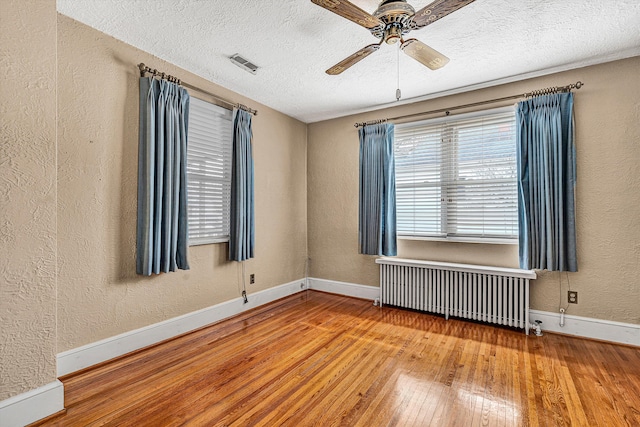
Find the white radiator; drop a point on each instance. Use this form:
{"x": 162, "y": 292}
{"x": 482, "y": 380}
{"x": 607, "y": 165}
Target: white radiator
{"x": 488, "y": 294}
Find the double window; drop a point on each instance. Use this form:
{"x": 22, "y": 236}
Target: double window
{"x": 208, "y": 172}
{"x": 456, "y": 177}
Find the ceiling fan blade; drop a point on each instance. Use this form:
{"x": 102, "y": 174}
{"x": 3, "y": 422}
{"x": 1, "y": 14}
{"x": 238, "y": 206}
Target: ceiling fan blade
{"x": 353, "y": 59}
{"x": 351, "y": 12}
{"x": 436, "y": 10}
{"x": 425, "y": 55}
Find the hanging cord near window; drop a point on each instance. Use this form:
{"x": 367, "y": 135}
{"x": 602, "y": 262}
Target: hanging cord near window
{"x": 244, "y": 284}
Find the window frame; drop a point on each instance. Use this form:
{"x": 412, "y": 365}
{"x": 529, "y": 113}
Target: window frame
{"x": 445, "y": 209}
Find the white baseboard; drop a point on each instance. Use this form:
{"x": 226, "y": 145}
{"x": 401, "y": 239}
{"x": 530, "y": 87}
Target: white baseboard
{"x": 344, "y": 288}
{"x": 100, "y": 351}
{"x": 82, "y": 357}
{"x": 29, "y": 407}
{"x": 586, "y": 327}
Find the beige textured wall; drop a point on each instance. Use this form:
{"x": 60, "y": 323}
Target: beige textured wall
{"x": 607, "y": 113}
{"x": 27, "y": 195}
{"x": 99, "y": 293}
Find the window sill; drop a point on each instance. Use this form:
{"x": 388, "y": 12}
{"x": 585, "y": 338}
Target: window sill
{"x": 209, "y": 242}
{"x": 489, "y": 241}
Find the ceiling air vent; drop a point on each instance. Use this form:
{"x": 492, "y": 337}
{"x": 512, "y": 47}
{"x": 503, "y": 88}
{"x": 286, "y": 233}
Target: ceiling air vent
{"x": 243, "y": 63}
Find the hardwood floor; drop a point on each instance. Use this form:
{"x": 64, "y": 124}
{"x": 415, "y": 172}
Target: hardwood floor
{"x": 316, "y": 359}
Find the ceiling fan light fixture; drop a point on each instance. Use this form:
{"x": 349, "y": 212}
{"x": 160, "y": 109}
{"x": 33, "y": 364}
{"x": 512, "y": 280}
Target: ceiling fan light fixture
{"x": 393, "y": 34}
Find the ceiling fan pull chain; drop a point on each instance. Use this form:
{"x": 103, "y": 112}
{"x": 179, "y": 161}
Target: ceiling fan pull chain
{"x": 398, "y": 93}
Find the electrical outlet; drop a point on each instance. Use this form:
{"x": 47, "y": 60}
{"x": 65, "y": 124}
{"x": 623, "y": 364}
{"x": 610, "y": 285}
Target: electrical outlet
{"x": 573, "y": 297}
{"x": 252, "y": 279}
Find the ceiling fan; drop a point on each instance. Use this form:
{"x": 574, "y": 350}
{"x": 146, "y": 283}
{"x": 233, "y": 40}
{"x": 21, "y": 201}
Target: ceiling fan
{"x": 390, "y": 22}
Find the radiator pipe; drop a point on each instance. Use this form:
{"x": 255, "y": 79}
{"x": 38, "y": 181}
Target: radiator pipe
{"x": 562, "y": 310}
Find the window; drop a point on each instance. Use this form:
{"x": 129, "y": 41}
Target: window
{"x": 456, "y": 177}
{"x": 208, "y": 172}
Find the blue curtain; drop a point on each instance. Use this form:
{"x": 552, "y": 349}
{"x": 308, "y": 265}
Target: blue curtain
{"x": 242, "y": 230}
{"x": 546, "y": 183}
{"x": 162, "y": 191}
{"x": 377, "y": 196}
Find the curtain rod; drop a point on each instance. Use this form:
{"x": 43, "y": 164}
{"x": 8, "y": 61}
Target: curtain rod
{"x": 545, "y": 91}
{"x": 144, "y": 69}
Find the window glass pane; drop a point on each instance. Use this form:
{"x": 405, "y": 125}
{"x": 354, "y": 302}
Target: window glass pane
{"x": 208, "y": 172}
{"x": 468, "y": 165}
{"x": 418, "y": 182}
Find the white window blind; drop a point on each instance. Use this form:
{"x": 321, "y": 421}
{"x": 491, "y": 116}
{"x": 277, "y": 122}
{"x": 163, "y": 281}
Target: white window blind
{"x": 208, "y": 172}
{"x": 456, "y": 177}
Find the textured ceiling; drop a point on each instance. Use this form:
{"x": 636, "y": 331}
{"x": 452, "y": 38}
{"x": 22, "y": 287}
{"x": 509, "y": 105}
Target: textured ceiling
{"x": 294, "y": 41}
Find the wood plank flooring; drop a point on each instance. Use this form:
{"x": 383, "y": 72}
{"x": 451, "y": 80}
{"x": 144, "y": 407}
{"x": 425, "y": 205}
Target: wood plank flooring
{"x": 316, "y": 359}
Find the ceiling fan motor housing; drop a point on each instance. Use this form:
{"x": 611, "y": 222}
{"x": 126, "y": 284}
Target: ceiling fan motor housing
{"x": 396, "y": 15}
